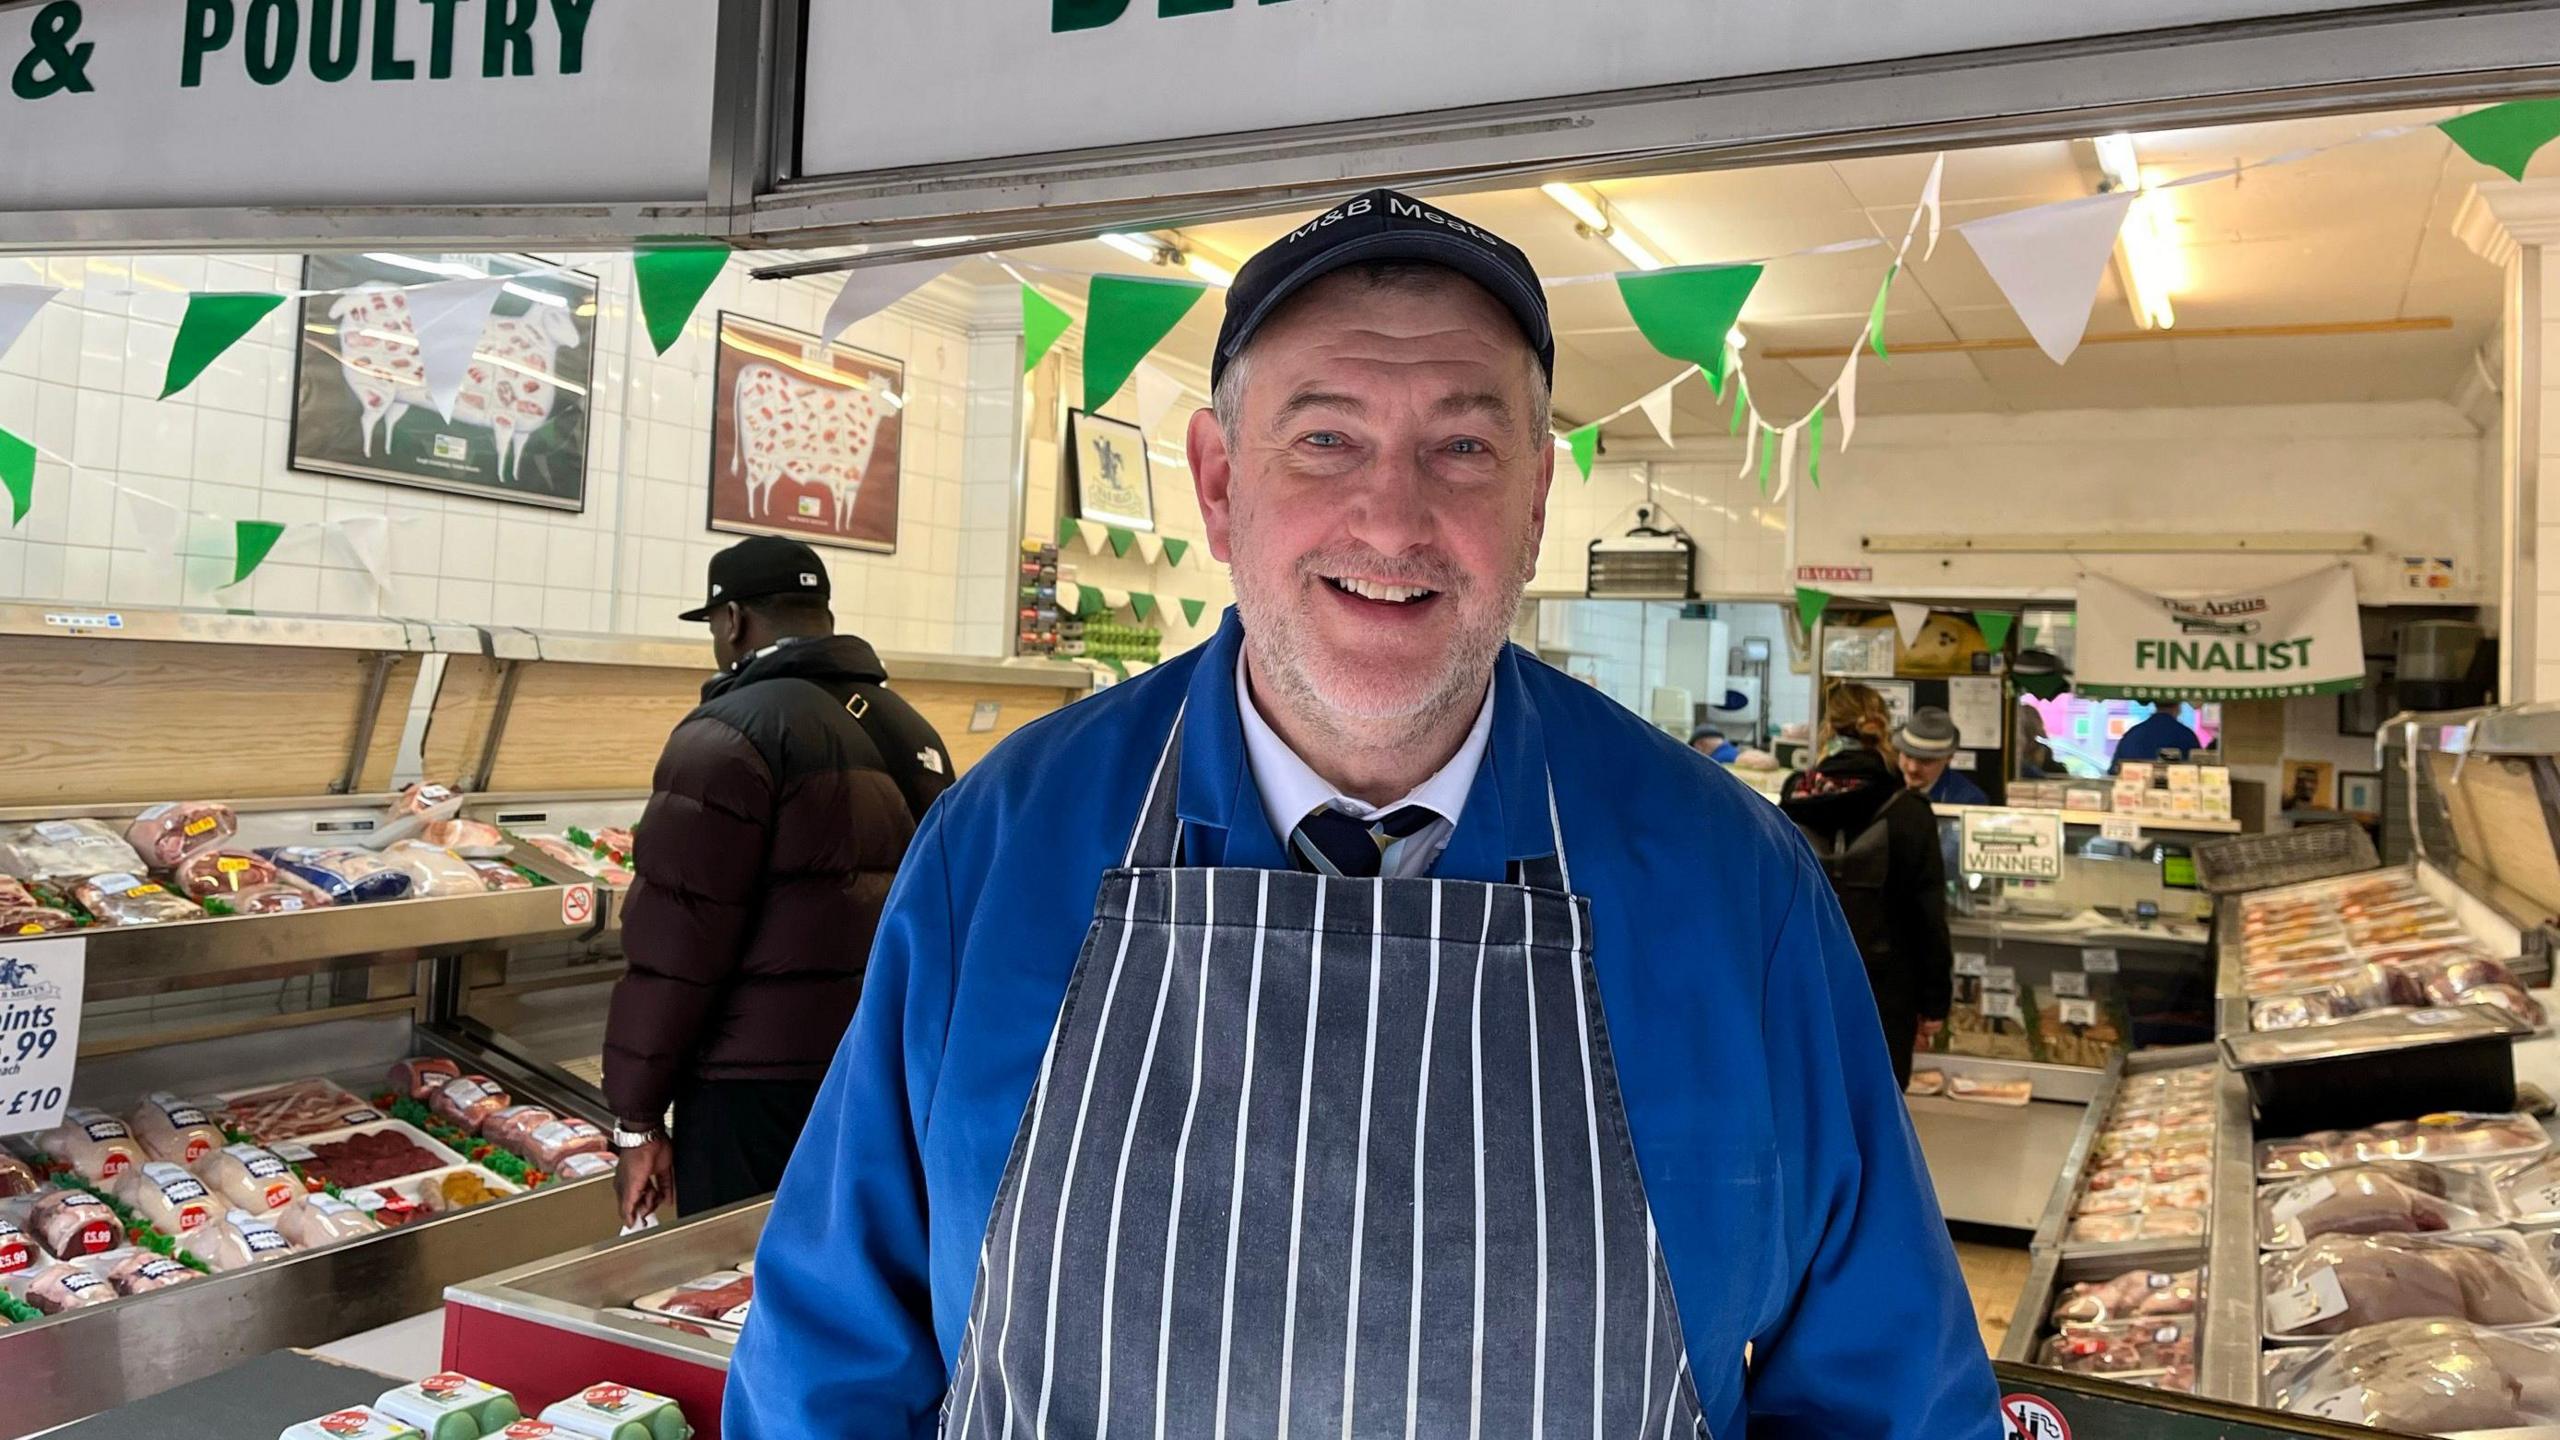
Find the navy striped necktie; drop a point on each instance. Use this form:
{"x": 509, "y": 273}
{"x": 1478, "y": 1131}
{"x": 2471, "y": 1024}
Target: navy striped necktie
{"x": 1329, "y": 842}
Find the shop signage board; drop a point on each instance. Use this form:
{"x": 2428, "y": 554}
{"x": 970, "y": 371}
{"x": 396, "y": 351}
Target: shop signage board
{"x": 41, "y": 982}
{"x": 1085, "y": 73}
{"x": 2018, "y": 844}
{"x": 113, "y": 104}
{"x": 2297, "y": 638}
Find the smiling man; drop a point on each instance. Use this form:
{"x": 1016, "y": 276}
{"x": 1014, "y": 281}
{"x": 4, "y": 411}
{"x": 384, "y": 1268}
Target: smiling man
{"x": 1445, "y": 1053}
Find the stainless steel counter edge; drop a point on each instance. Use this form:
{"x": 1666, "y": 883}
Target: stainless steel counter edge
{"x": 2057, "y": 1206}
{"x": 2228, "y": 1368}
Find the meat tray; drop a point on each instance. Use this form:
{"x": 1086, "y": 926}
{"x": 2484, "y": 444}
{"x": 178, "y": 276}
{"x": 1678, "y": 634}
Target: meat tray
{"x": 444, "y": 1156}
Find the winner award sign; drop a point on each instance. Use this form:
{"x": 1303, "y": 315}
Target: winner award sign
{"x": 2297, "y": 638}
{"x": 40, "y": 987}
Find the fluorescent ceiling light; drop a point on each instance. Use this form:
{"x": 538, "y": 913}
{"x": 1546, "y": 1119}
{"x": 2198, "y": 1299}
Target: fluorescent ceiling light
{"x": 2147, "y": 249}
{"x": 1208, "y": 270}
{"x": 2116, "y": 158}
{"x": 1577, "y": 204}
{"x": 1136, "y": 247}
{"x": 1632, "y": 248}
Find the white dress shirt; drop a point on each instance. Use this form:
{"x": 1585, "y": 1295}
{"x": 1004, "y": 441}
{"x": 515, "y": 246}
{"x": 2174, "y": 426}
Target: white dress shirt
{"x": 1292, "y": 790}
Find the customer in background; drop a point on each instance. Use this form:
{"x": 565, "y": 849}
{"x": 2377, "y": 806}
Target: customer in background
{"x": 1927, "y": 745}
{"x": 780, "y": 811}
{"x": 1709, "y": 741}
{"x": 2159, "y": 736}
{"x": 1878, "y": 842}
{"x": 2035, "y": 757}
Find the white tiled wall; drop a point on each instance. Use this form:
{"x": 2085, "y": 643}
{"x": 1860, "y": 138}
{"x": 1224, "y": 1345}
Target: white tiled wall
{"x": 82, "y": 384}
{"x": 1741, "y": 536}
{"x": 2544, "y": 673}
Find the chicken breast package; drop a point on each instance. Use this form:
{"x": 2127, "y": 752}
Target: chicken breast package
{"x": 173, "y": 1200}
{"x": 236, "y": 1241}
{"x": 176, "y": 1130}
{"x": 251, "y": 1178}
{"x": 2339, "y": 1283}
{"x": 97, "y": 1145}
{"x": 2385, "y": 1197}
{"x": 434, "y": 871}
{"x": 165, "y": 835}
{"x": 65, "y": 850}
{"x": 318, "y": 1220}
{"x": 2423, "y": 1377}
{"x": 2441, "y": 1137}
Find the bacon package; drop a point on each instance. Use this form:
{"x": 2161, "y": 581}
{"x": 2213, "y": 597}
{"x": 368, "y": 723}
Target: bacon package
{"x": 165, "y": 835}
{"x": 297, "y": 1108}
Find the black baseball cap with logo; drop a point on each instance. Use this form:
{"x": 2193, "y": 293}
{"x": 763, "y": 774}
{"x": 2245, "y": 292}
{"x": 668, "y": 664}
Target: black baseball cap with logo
{"x": 760, "y": 568}
{"x": 1383, "y": 226}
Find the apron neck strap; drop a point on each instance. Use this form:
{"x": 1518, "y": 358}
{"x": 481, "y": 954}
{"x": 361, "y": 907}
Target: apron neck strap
{"x": 1157, "y": 842}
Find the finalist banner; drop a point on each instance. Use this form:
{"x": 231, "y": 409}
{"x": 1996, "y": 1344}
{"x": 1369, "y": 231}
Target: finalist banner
{"x": 2297, "y": 638}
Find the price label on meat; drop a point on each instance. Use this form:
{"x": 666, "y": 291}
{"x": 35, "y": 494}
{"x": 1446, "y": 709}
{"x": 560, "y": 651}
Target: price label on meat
{"x": 2020, "y": 844}
{"x": 40, "y": 987}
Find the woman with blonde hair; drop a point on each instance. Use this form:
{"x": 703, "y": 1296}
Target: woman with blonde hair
{"x": 1878, "y": 842}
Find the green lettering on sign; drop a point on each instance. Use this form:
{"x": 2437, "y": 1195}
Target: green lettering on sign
{"x": 506, "y": 40}
{"x": 1066, "y": 15}
{"x": 275, "y": 28}
{"x": 209, "y": 24}
{"x": 571, "y": 16}
{"x": 335, "y": 30}
{"x": 387, "y": 64}
{"x": 1192, "y": 7}
{"x": 63, "y": 65}
{"x": 440, "y": 40}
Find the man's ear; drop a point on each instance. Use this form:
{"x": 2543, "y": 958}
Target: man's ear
{"x": 1212, "y": 478}
{"x": 1545, "y": 481}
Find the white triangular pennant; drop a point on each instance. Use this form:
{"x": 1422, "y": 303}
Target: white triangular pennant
{"x": 447, "y": 318}
{"x": 1150, "y": 546}
{"x": 1929, "y": 201}
{"x": 155, "y": 523}
{"x": 1786, "y": 461}
{"x": 869, "y": 291}
{"x": 1095, "y": 535}
{"x": 1115, "y": 597}
{"x": 2048, "y": 262}
{"x": 368, "y": 538}
{"x": 1847, "y": 392}
{"x": 1157, "y": 393}
{"x": 18, "y": 307}
{"x": 1657, "y": 408}
{"x": 1908, "y": 621}
{"x": 1750, "y": 444}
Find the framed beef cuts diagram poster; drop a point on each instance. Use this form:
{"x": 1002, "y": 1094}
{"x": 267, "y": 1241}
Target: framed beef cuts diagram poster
{"x": 804, "y": 438}
{"x": 519, "y": 426}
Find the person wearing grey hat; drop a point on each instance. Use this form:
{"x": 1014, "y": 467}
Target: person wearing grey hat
{"x": 1927, "y": 744}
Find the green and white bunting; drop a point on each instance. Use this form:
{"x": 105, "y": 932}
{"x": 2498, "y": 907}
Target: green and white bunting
{"x": 1687, "y": 312}
{"x": 214, "y": 322}
{"x": 2505, "y": 137}
{"x": 1124, "y": 318}
{"x": 2297, "y": 638}
{"x": 1043, "y": 321}
{"x": 1995, "y": 626}
{"x": 1810, "y": 604}
{"x": 252, "y": 540}
{"x": 17, "y": 475}
{"x": 1875, "y": 316}
{"x": 1584, "y": 445}
{"x": 1122, "y": 537}
{"x": 1191, "y": 610}
{"x": 672, "y": 280}
{"x": 1141, "y": 604}
{"x": 1174, "y": 550}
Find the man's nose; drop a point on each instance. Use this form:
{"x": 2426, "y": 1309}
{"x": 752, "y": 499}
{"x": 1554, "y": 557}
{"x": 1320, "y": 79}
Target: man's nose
{"x": 1393, "y": 512}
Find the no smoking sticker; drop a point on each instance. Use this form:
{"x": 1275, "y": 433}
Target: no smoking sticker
{"x": 577, "y": 904}
{"x": 2032, "y": 1417}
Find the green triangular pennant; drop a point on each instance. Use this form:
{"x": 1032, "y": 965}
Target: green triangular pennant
{"x": 251, "y": 540}
{"x": 1740, "y": 400}
{"x": 1122, "y": 537}
{"x": 1768, "y": 455}
{"x": 1090, "y": 602}
{"x": 1118, "y": 666}
{"x": 2505, "y": 137}
{"x": 1686, "y": 313}
{"x": 1141, "y": 604}
{"x": 1875, "y": 317}
{"x": 1174, "y": 550}
{"x": 673, "y": 279}
{"x": 1585, "y": 445}
{"x": 1191, "y": 610}
{"x": 1813, "y": 455}
{"x": 1994, "y": 625}
{"x": 17, "y": 475}
{"x": 213, "y": 324}
{"x": 1809, "y": 606}
{"x": 1124, "y": 317}
{"x": 1043, "y": 321}
{"x": 1066, "y": 528}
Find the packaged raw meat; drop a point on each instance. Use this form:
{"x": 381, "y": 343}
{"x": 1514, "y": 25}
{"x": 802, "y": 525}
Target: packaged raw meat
{"x": 1926, "y": 1082}
{"x": 470, "y": 839}
{"x": 432, "y": 871}
{"x": 551, "y": 1145}
{"x": 2171, "y": 1224}
{"x": 236, "y": 1241}
{"x": 601, "y": 1412}
{"x": 17, "y": 1252}
{"x": 96, "y": 1145}
{"x": 296, "y": 1108}
{"x": 2104, "y": 1229}
{"x": 512, "y": 1128}
{"x": 2433, "y": 1137}
{"x": 165, "y": 835}
{"x": 29, "y": 920}
{"x": 288, "y": 896}
{"x": 431, "y": 802}
{"x": 317, "y": 1220}
{"x": 2530, "y": 1190}
{"x": 2430, "y": 1377}
{"x": 56, "y": 1288}
{"x": 223, "y": 872}
{"x": 72, "y": 1223}
{"x": 587, "y": 1166}
{"x": 496, "y": 875}
{"x": 16, "y": 1176}
{"x": 451, "y": 1407}
{"x": 143, "y": 1271}
{"x": 132, "y": 900}
{"x": 354, "y": 1423}
{"x": 251, "y": 1179}
{"x": 2386, "y": 1197}
{"x": 347, "y": 877}
{"x": 176, "y": 1130}
{"x": 65, "y": 850}
{"x": 422, "y": 1077}
{"x": 2340, "y": 1282}
{"x": 2160, "y": 1354}
{"x": 463, "y": 1103}
{"x": 175, "y": 1202}
{"x": 2134, "y": 1295}
{"x": 1990, "y": 1091}
{"x": 721, "y": 1297}
{"x": 369, "y": 1157}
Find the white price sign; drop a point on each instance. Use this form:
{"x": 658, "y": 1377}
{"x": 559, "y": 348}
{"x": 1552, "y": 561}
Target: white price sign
{"x": 2000, "y": 977}
{"x": 41, "y": 982}
{"x": 2100, "y": 962}
{"x": 2125, "y": 829}
{"x": 2000, "y": 1005}
{"x": 2079, "y": 1012}
{"x": 1971, "y": 962}
{"x": 2021, "y": 844}
{"x": 2071, "y": 984}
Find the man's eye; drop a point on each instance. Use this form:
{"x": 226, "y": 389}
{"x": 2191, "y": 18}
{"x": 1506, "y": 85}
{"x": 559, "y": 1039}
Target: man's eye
{"x": 1325, "y": 440}
{"x": 1469, "y": 447}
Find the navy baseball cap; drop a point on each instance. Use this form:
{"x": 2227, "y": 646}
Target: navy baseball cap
{"x": 765, "y": 566}
{"x": 1383, "y": 226}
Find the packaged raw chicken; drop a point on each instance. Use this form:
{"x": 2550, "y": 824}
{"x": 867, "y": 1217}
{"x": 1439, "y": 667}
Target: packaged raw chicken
{"x": 56, "y": 1288}
{"x": 2340, "y": 1282}
{"x": 318, "y": 1220}
{"x": 512, "y": 1128}
{"x": 420, "y": 1078}
{"x": 237, "y": 1240}
{"x": 470, "y": 839}
{"x": 347, "y": 877}
{"x": 251, "y": 1179}
{"x": 164, "y": 835}
{"x": 72, "y": 1223}
{"x": 17, "y": 1251}
{"x": 430, "y": 802}
{"x": 132, "y": 900}
{"x": 2429, "y": 1377}
{"x": 496, "y": 875}
{"x": 2171, "y": 1224}
{"x": 2159, "y": 1354}
{"x": 96, "y": 1145}
{"x": 296, "y": 1108}
{"x": 142, "y": 1271}
{"x": 16, "y": 1176}
{"x": 551, "y": 1145}
{"x": 2134, "y": 1295}
{"x": 432, "y": 871}
{"x": 2104, "y": 1229}
{"x": 176, "y": 1130}
{"x": 172, "y": 1200}
{"x": 2386, "y": 1197}
{"x": 465, "y": 1102}
{"x": 2440, "y": 1137}
{"x": 65, "y": 850}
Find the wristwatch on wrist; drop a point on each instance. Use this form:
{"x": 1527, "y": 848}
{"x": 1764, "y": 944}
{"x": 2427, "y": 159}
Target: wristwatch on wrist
{"x": 627, "y": 1138}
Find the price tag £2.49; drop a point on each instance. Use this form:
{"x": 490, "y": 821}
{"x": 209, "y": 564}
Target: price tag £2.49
{"x": 41, "y": 982}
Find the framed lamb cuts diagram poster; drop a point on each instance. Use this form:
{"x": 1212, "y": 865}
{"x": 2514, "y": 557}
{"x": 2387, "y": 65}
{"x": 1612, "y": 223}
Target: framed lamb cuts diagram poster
{"x": 1107, "y": 462}
{"x": 519, "y": 426}
{"x": 805, "y": 438}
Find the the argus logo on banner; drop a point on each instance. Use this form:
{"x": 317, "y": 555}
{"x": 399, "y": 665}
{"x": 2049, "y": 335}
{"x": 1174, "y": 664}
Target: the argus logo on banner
{"x": 40, "y": 987}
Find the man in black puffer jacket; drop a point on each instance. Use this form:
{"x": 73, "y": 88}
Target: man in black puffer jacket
{"x": 776, "y": 822}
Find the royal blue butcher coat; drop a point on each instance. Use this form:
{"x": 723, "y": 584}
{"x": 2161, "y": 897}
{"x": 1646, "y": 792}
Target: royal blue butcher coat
{"x": 1795, "y": 1213}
